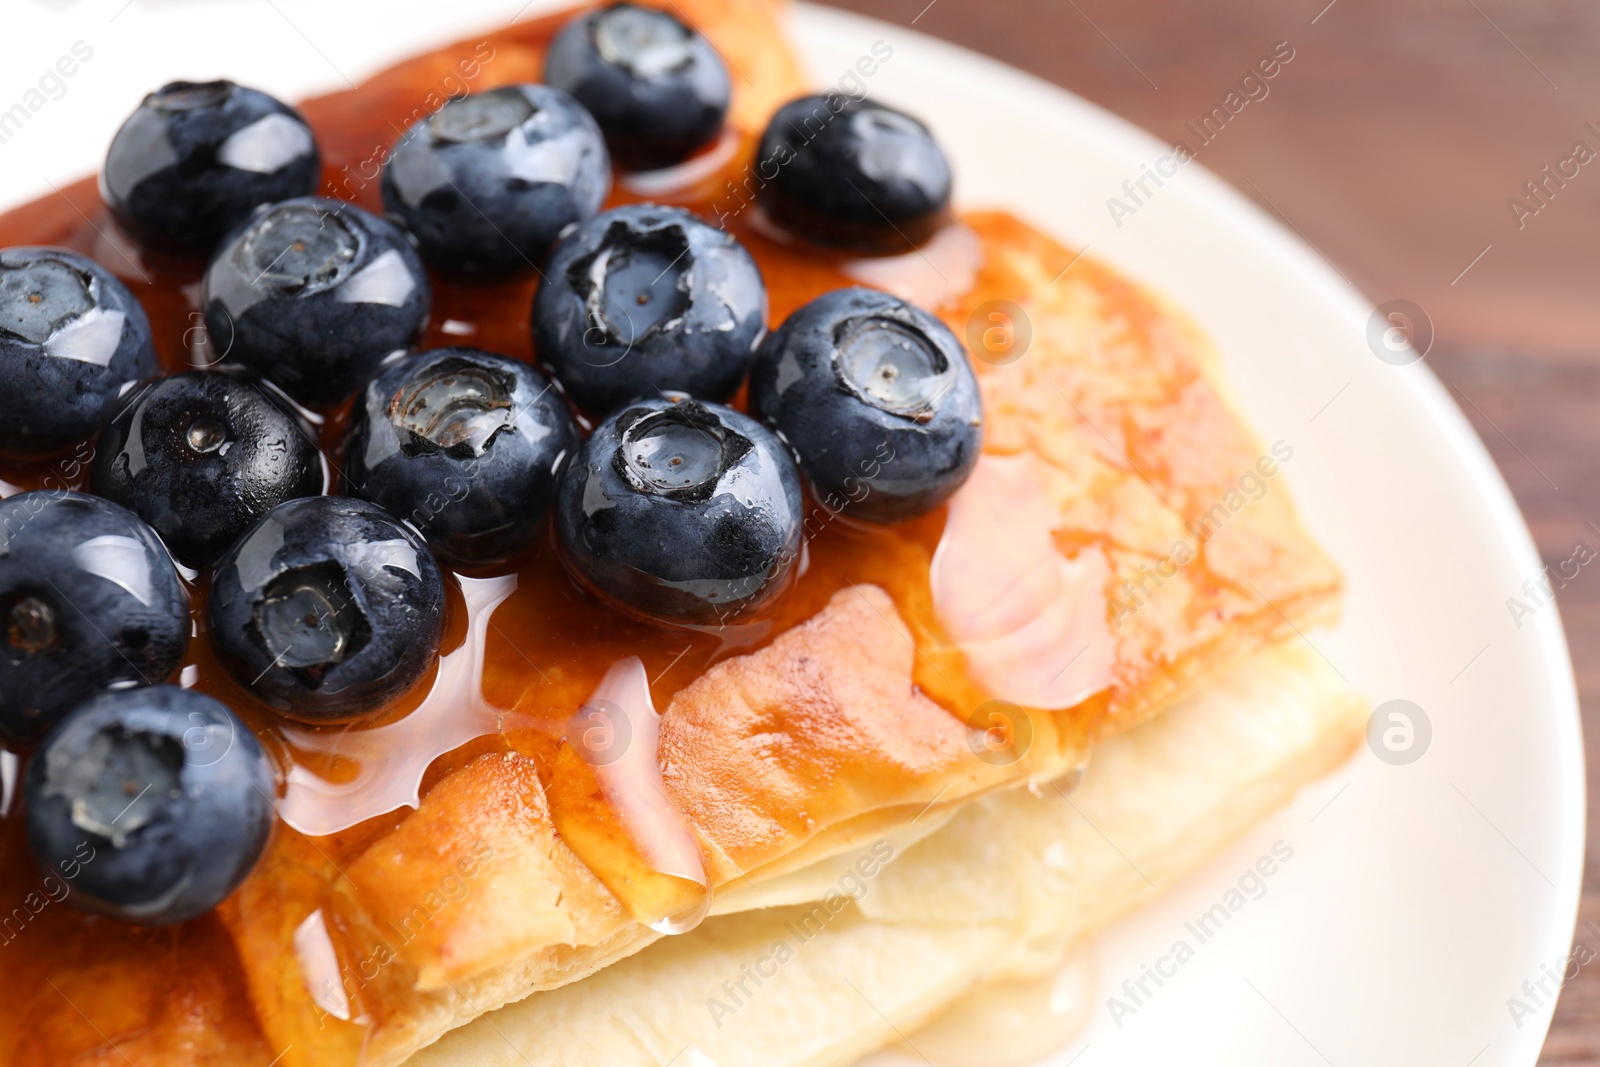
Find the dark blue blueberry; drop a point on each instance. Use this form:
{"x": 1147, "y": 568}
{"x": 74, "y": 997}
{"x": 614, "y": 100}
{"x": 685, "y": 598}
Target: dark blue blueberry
{"x": 313, "y": 294}
{"x": 853, "y": 173}
{"x": 197, "y": 158}
{"x": 327, "y": 609}
{"x": 72, "y": 340}
{"x": 201, "y": 456}
{"x": 877, "y": 399}
{"x": 489, "y": 181}
{"x": 646, "y": 299}
{"x": 682, "y": 512}
{"x": 89, "y": 601}
{"x": 465, "y": 445}
{"x": 656, "y": 87}
{"x": 152, "y": 804}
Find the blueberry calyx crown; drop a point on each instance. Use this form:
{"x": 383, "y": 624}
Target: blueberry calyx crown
{"x": 156, "y": 802}
{"x": 299, "y": 248}
{"x": 680, "y": 453}
{"x": 637, "y": 283}
{"x": 466, "y": 445}
{"x": 327, "y": 609}
{"x": 308, "y": 622}
{"x": 891, "y": 366}
{"x": 645, "y": 42}
{"x": 645, "y": 300}
{"x": 41, "y": 297}
{"x": 119, "y": 783}
{"x": 313, "y": 294}
{"x": 73, "y": 340}
{"x": 657, "y": 88}
{"x": 191, "y": 96}
{"x": 89, "y": 602}
{"x": 485, "y": 116}
{"x": 682, "y": 512}
{"x": 877, "y": 400}
{"x": 458, "y": 409}
{"x": 31, "y": 626}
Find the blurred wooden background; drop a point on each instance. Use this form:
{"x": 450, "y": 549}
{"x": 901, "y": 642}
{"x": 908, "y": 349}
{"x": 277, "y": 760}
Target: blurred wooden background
{"x": 1393, "y": 143}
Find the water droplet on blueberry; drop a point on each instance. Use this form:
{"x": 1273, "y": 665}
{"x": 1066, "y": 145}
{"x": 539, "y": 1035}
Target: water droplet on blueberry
{"x": 206, "y": 435}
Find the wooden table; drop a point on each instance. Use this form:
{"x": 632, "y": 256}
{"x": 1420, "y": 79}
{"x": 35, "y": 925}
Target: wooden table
{"x": 1393, "y": 143}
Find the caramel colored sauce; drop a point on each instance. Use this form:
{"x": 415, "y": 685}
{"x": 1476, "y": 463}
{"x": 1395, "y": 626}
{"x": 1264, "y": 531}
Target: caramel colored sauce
{"x": 526, "y": 649}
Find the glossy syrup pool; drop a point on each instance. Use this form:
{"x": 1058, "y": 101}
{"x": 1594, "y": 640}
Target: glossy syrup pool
{"x": 525, "y": 649}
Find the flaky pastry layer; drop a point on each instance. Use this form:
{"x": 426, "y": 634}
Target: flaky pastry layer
{"x": 1001, "y": 892}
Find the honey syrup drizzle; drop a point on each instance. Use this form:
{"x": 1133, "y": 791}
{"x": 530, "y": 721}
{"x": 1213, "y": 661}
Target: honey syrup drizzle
{"x": 526, "y": 648}
{"x": 535, "y": 648}
{"x": 391, "y": 760}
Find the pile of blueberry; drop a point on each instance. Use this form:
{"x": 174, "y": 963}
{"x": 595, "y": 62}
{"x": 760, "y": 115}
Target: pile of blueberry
{"x": 648, "y": 320}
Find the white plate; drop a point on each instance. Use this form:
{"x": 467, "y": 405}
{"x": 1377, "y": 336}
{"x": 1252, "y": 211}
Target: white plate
{"x": 1420, "y": 897}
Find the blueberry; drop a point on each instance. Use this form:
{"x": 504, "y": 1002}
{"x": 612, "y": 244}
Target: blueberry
{"x": 196, "y": 158}
{"x": 682, "y": 512}
{"x": 877, "y": 399}
{"x": 656, "y": 87}
{"x": 853, "y": 173}
{"x": 89, "y": 601}
{"x": 489, "y": 181}
{"x": 153, "y": 804}
{"x": 466, "y": 445}
{"x": 203, "y": 455}
{"x": 313, "y": 294}
{"x": 645, "y": 299}
{"x": 72, "y": 340}
{"x": 327, "y": 609}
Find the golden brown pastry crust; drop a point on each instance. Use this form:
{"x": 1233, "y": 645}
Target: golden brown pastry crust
{"x": 768, "y": 753}
{"x": 999, "y": 892}
{"x": 835, "y": 730}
